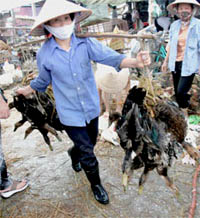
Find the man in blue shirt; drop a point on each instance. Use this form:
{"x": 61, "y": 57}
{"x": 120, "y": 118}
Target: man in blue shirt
{"x": 64, "y": 61}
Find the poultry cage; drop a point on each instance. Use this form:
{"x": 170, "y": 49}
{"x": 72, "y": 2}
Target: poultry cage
{"x": 107, "y": 26}
{"x": 114, "y": 25}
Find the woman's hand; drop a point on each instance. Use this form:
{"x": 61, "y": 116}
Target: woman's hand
{"x": 143, "y": 59}
{"x": 164, "y": 67}
{"x": 25, "y": 91}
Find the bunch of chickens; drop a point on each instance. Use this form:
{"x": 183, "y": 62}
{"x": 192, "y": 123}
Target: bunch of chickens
{"x": 150, "y": 141}
{"x": 39, "y": 110}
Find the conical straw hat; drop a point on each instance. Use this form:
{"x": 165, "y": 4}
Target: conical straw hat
{"x": 55, "y": 8}
{"x": 172, "y": 7}
{"x": 109, "y": 80}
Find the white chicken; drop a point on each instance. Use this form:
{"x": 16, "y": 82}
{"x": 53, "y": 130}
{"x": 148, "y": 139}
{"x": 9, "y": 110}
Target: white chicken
{"x": 110, "y": 135}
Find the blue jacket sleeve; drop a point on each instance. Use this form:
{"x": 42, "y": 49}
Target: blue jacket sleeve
{"x": 41, "y": 82}
{"x": 103, "y": 54}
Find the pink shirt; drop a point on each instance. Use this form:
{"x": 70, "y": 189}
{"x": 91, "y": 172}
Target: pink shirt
{"x": 182, "y": 43}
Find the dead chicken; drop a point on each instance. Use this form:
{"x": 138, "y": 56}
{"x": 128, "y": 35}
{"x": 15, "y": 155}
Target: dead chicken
{"x": 150, "y": 142}
{"x": 39, "y": 110}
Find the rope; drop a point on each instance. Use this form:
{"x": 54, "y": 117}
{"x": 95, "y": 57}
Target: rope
{"x": 194, "y": 193}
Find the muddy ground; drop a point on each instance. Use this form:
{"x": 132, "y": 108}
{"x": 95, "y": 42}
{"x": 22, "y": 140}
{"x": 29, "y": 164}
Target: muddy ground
{"x": 57, "y": 191}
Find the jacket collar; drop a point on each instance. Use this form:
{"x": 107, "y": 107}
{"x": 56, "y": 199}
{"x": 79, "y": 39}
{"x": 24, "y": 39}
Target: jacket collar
{"x": 192, "y": 22}
{"x": 76, "y": 40}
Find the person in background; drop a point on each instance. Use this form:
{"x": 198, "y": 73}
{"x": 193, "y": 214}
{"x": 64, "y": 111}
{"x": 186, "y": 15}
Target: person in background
{"x": 198, "y": 11}
{"x": 64, "y": 61}
{"x": 183, "y": 49}
{"x": 8, "y": 187}
{"x": 3, "y": 38}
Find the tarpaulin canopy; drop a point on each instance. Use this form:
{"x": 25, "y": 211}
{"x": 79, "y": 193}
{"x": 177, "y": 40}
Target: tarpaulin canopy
{"x": 100, "y": 9}
{"x": 114, "y": 2}
{"x": 11, "y": 4}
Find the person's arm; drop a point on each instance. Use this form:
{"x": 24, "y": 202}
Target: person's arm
{"x": 4, "y": 109}
{"x": 44, "y": 61}
{"x": 105, "y": 55}
{"x": 142, "y": 59}
{"x": 40, "y": 83}
{"x": 165, "y": 62}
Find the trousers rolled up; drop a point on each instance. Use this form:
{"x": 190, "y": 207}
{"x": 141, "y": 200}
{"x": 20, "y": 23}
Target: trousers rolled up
{"x": 84, "y": 139}
{"x": 182, "y": 85}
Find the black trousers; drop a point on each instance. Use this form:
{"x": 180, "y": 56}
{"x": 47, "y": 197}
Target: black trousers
{"x": 84, "y": 139}
{"x": 182, "y": 85}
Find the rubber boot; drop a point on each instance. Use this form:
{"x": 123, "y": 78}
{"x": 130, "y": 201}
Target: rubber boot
{"x": 76, "y": 165}
{"x": 98, "y": 190}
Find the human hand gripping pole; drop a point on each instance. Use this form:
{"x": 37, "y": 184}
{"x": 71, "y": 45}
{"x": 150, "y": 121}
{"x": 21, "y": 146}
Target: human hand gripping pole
{"x": 143, "y": 59}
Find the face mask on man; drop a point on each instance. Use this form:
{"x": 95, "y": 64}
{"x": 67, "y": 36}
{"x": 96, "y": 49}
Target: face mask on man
{"x": 63, "y": 32}
{"x": 185, "y": 16}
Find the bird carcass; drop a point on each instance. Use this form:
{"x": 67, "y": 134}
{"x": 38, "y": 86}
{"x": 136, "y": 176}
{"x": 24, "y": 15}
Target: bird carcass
{"x": 39, "y": 110}
{"x": 150, "y": 141}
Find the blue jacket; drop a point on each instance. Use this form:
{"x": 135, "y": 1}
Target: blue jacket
{"x": 191, "y": 60}
{"x": 72, "y": 78}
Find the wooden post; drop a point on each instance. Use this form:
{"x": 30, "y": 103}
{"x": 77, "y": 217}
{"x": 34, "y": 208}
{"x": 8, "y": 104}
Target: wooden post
{"x": 137, "y": 20}
{"x": 150, "y": 11}
{"x": 146, "y": 71}
{"x": 33, "y": 7}
{"x": 143, "y": 48}
{"x": 13, "y": 24}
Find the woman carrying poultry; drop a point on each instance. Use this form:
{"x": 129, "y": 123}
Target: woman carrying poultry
{"x": 64, "y": 61}
{"x": 183, "y": 50}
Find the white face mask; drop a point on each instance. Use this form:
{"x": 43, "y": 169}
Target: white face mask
{"x": 63, "y": 32}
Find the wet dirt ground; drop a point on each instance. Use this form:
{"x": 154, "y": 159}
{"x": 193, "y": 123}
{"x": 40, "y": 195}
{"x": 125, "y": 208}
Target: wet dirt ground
{"x": 57, "y": 191}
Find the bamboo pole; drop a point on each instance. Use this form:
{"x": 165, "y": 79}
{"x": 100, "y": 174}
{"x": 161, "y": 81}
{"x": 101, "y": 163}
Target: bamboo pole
{"x": 115, "y": 35}
{"x": 194, "y": 193}
{"x": 97, "y": 35}
{"x": 16, "y": 28}
{"x": 28, "y": 43}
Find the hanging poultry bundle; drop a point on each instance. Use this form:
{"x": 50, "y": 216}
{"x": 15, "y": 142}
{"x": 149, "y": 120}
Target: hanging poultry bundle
{"x": 152, "y": 133}
{"x": 39, "y": 110}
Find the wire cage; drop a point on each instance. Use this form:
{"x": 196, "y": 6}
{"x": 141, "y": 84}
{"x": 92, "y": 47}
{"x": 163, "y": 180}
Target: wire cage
{"x": 108, "y": 26}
